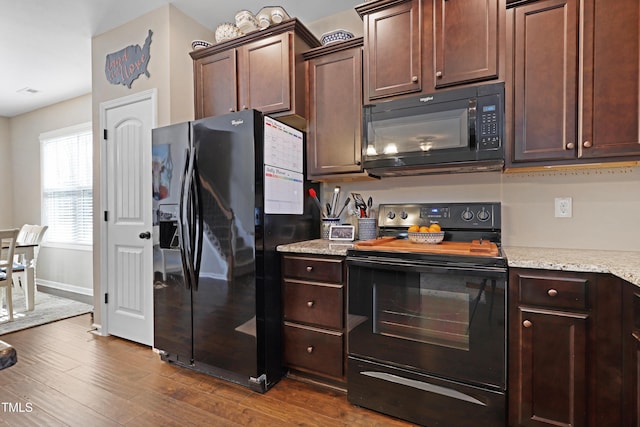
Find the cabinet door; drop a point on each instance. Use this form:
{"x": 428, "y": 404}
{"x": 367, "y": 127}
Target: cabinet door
{"x": 545, "y": 78}
{"x": 393, "y": 51}
{"x": 335, "y": 113}
{"x": 631, "y": 355}
{"x": 549, "y": 371}
{"x": 216, "y": 84}
{"x": 611, "y": 90}
{"x": 466, "y": 41}
{"x": 266, "y": 74}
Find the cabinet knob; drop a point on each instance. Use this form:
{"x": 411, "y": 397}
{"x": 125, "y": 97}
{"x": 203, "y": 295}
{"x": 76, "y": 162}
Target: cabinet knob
{"x": 571, "y": 146}
{"x": 231, "y": 110}
{"x": 309, "y": 269}
{"x": 414, "y": 79}
{"x": 527, "y": 324}
{"x": 587, "y": 144}
{"x": 439, "y": 74}
{"x": 310, "y": 349}
{"x": 552, "y": 292}
{"x": 310, "y": 304}
{"x": 244, "y": 107}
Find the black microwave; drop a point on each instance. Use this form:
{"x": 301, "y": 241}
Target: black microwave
{"x": 459, "y": 130}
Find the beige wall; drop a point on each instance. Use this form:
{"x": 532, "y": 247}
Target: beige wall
{"x": 606, "y": 203}
{"x": 6, "y": 178}
{"x": 170, "y": 72}
{"x": 65, "y": 269}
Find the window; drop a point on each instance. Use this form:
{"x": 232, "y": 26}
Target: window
{"x": 67, "y": 184}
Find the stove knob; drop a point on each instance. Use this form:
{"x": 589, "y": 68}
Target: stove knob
{"x": 484, "y": 215}
{"x": 404, "y": 215}
{"x": 467, "y": 215}
{"x": 391, "y": 215}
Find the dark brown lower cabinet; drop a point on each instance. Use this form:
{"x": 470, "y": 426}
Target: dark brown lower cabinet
{"x": 565, "y": 367}
{"x": 313, "y": 293}
{"x": 631, "y": 355}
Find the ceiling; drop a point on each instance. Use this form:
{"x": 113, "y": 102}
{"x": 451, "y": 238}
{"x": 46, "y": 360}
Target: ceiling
{"x": 46, "y": 45}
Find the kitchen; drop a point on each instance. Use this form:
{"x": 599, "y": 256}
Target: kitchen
{"x": 527, "y": 198}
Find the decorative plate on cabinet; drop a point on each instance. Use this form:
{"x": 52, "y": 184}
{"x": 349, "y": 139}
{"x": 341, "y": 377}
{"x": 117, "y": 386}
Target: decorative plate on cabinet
{"x": 226, "y": 32}
{"x": 335, "y": 36}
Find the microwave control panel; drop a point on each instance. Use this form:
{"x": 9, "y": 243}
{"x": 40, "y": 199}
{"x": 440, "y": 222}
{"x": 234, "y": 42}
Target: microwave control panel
{"x": 489, "y": 122}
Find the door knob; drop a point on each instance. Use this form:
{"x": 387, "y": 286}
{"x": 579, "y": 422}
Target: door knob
{"x": 145, "y": 235}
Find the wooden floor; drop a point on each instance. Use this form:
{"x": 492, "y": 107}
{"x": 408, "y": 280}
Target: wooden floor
{"x": 66, "y": 375}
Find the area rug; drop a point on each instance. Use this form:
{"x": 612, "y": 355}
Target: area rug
{"x": 48, "y": 308}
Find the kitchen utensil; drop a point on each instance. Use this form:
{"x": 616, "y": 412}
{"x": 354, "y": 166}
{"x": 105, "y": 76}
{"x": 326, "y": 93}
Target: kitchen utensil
{"x": 314, "y": 196}
{"x": 334, "y": 202}
{"x": 346, "y": 203}
{"x": 328, "y": 206}
{"x": 359, "y": 204}
{"x": 369, "y": 204}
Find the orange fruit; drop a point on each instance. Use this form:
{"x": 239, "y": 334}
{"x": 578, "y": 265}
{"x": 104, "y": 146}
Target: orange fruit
{"x": 424, "y": 229}
{"x": 434, "y": 228}
{"x": 414, "y": 229}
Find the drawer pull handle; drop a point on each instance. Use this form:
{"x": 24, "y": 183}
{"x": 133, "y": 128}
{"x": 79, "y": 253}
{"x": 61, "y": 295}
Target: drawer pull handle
{"x": 636, "y": 336}
{"x": 527, "y": 324}
{"x": 552, "y": 292}
{"x": 310, "y": 349}
{"x": 310, "y": 304}
{"x": 309, "y": 269}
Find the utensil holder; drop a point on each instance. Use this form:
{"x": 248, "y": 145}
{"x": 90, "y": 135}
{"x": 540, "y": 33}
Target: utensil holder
{"x": 326, "y": 224}
{"x": 367, "y": 228}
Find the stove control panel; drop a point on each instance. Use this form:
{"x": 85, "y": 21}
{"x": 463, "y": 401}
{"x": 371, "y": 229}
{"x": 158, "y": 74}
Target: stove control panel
{"x": 463, "y": 216}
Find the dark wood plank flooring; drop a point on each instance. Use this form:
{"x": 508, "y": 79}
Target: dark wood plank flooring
{"x": 67, "y": 376}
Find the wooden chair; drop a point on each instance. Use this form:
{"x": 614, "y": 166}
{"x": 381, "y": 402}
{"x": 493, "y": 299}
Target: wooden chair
{"x": 8, "y": 239}
{"x": 28, "y": 235}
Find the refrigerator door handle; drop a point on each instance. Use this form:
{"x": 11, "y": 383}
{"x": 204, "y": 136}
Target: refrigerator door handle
{"x": 198, "y": 223}
{"x": 183, "y": 221}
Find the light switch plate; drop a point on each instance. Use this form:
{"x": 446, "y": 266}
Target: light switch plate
{"x": 563, "y": 208}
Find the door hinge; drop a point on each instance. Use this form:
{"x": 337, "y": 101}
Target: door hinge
{"x": 106, "y": 216}
{"x": 106, "y": 298}
{"x": 104, "y": 134}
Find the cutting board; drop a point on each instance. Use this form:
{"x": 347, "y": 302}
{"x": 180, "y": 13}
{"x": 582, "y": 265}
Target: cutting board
{"x": 474, "y": 248}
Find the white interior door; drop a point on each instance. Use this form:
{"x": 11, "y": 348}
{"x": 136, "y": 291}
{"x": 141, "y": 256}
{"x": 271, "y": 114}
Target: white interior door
{"x": 129, "y": 249}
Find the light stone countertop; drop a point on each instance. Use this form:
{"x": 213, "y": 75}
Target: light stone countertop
{"x": 625, "y": 265}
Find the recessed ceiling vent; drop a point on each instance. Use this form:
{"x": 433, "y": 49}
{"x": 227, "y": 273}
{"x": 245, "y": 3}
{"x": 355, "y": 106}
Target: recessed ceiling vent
{"x": 28, "y": 90}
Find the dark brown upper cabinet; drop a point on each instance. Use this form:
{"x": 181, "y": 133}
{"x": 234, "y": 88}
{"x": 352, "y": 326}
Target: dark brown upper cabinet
{"x": 262, "y": 70}
{"x": 466, "y": 41}
{"x": 334, "y": 132}
{"x": 393, "y": 48}
{"x": 418, "y": 46}
{"x": 573, "y": 82}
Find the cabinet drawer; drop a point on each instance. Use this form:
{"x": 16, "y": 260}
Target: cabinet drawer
{"x": 554, "y": 292}
{"x": 313, "y": 349}
{"x": 320, "y": 304}
{"x": 315, "y": 269}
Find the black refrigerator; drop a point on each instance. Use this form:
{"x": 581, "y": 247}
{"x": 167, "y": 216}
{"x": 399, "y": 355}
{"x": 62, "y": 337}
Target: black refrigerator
{"x": 227, "y": 190}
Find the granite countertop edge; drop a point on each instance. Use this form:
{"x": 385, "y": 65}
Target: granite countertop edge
{"x": 623, "y": 264}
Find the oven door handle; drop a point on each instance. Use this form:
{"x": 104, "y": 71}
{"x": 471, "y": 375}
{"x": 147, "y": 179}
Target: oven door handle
{"x": 426, "y": 266}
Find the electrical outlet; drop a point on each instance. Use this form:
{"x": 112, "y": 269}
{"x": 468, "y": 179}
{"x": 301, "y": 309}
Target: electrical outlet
{"x": 563, "y": 207}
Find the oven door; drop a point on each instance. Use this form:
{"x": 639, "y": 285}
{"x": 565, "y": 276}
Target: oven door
{"x": 445, "y": 319}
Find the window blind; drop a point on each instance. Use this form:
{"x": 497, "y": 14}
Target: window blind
{"x": 67, "y": 185}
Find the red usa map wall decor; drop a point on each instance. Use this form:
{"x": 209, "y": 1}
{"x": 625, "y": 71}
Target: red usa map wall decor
{"x": 126, "y": 65}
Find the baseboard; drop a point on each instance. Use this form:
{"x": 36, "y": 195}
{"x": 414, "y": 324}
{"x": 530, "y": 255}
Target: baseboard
{"x": 65, "y": 290}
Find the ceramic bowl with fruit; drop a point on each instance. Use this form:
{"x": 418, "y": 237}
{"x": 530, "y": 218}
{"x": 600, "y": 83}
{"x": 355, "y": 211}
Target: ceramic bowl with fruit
{"x": 432, "y": 234}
